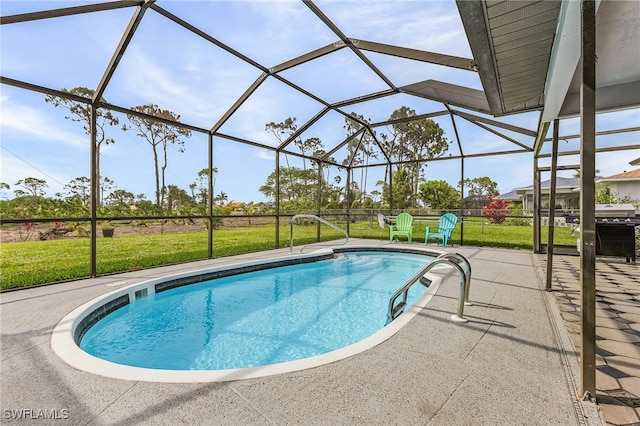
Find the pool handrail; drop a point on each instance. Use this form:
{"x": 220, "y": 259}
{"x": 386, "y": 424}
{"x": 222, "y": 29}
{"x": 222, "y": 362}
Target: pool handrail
{"x": 461, "y": 259}
{"x": 395, "y": 310}
{"x": 319, "y": 219}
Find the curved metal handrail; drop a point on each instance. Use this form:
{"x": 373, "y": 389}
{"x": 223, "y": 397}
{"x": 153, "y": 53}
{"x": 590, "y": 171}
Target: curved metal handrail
{"x": 395, "y": 310}
{"x": 319, "y": 219}
{"x": 466, "y": 263}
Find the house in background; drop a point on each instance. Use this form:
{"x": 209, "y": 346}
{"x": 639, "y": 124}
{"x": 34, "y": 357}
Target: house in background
{"x": 567, "y": 194}
{"x": 625, "y": 186}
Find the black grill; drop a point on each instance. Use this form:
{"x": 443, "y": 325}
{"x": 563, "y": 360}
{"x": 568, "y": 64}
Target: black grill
{"x": 615, "y": 230}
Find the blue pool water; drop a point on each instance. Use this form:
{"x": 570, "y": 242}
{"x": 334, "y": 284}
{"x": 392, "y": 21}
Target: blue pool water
{"x": 258, "y": 318}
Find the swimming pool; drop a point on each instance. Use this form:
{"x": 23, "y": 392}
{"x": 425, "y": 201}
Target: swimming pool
{"x": 238, "y": 324}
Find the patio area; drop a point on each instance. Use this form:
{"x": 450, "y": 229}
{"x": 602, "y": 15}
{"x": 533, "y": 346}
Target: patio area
{"x": 617, "y": 330}
{"x": 514, "y": 362}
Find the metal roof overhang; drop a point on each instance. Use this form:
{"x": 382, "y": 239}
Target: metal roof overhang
{"x": 618, "y": 66}
{"x": 511, "y": 44}
{"x": 450, "y": 94}
{"x": 527, "y": 53}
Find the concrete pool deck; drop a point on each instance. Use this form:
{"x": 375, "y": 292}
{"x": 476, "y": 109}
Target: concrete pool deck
{"x": 512, "y": 363}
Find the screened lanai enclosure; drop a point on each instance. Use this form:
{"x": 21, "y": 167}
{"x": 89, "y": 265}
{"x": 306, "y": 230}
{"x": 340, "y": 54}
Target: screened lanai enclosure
{"x": 309, "y": 107}
{"x": 248, "y": 113}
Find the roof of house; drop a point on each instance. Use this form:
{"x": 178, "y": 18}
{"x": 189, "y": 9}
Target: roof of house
{"x": 511, "y": 195}
{"x": 561, "y": 182}
{"x": 630, "y": 175}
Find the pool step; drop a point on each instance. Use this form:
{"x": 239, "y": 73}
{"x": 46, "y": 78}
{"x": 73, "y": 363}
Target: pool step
{"x": 397, "y": 309}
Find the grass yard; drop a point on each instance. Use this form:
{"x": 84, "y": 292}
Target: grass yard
{"x": 477, "y": 232}
{"x": 40, "y": 262}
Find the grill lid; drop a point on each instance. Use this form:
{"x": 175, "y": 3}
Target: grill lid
{"x": 615, "y": 210}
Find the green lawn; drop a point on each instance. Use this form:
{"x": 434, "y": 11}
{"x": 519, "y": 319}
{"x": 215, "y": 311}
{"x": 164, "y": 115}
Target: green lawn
{"x": 477, "y": 232}
{"x": 39, "y": 262}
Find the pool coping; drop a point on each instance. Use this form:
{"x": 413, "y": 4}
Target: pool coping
{"x": 66, "y": 334}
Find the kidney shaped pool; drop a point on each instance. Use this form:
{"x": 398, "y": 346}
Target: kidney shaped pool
{"x": 230, "y": 322}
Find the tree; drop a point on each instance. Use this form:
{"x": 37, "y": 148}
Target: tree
{"x": 249, "y": 209}
{"x": 200, "y": 188}
{"x": 497, "y": 210}
{"x": 439, "y": 195}
{"x": 81, "y": 112}
{"x": 221, "y": 198}
{"x": 308, "y": 147}
{"x": 160, "y": 135}
{"x": 282, "y": 131}
{"x": 4, "y": 186}
{"x": 298, "y": 187}
{"x": 414, "y": 142}
{"x": 79, "y": 189}
{"x": 481, "y": 186}
{"x": 120, "y": 197}
{"x": 360, "y": 149}
{"x": 334, "y": 194}
{"x": 402, "y": 189}
{"x": 177, "y": 198}
{"x": 34, "y": 187}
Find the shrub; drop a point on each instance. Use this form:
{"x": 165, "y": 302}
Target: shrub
{"x": 496, "y": 210}
{"x": 516, "y": 216}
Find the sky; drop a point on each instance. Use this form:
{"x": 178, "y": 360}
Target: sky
{"x": 175, "y": 69}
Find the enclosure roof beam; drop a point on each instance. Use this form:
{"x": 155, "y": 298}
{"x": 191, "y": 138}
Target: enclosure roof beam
{"x": 604, "y": 149}
{"x": 252, "y": 88}
{"x": 365, "y": 98}
{"x": 407, "y": 119}
{"x": 455, "y": 129}
{"x": 417, "y": 55}
{"x": 355, "y": 151}
{"x": 350, "y": 43}
{"x": 69, "y": 11}
{"x": 45, "y": 90}
{"x": 244, "y": 141}
{"x": 134, "y": 22}
{"x": 381, "y": 148}
{"x": 495, "y": 132}
{"x": 603, "y": 132}
{"x": 570, "y": 167}
{"x": 307, "y": 57}
{"x": 150, "y": 117}
{"x": 453, "y": 157}
{"x": 476, "y": 118}
{"x": 320, "y": 160}
{"x": 207, "y": 37}
{"x": 301, "y": 90}
{"x": 343, "y": 143}
{"x": 304, "y": 127}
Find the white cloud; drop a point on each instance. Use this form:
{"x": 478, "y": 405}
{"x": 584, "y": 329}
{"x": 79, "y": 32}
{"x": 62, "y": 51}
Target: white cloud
{"x": 173, "y": 68}
{"x": 433, "y": 25}
{"x": 26, "y": 121}
{"x": 266, "y": 155}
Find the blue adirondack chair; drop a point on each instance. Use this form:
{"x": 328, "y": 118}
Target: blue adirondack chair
{"x": 446, "y": 226}
{"x": 403, "y": 226}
